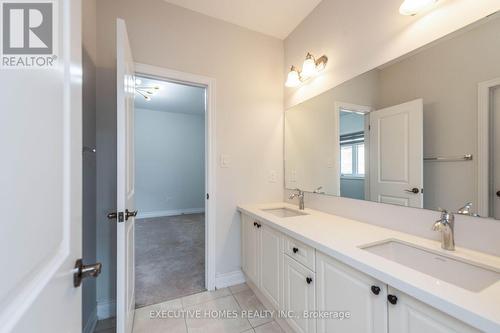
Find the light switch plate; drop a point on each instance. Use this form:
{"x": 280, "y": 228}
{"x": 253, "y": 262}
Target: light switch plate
{"x": 273, "y": 176}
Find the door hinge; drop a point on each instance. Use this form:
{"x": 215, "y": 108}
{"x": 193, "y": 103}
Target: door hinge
{"x": 119, "y": 216}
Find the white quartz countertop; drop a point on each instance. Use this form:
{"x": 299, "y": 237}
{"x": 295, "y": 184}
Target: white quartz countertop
{"x": 342, "y": 238}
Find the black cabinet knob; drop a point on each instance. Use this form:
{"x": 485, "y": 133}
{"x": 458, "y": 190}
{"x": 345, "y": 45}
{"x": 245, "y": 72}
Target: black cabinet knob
{"x": 393, "y": 299}
{"x": 309, "y": 280}
{"x": 295, "y": 250}
{"x": 259, "y": 225}
{"x": 375, "y": 290}
{"x": 498, "y": 193}
{"x": 254, "y": 224}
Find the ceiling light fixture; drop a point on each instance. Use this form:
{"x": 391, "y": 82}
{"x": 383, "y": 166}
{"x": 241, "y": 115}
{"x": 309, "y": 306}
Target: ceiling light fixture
{"x": 413, "y": 7}
{"x": 145, "y": 91}
{"x": 310, "y": 68}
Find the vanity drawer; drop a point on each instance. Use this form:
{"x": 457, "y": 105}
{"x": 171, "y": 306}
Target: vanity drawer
{"x": 301, "y": 252}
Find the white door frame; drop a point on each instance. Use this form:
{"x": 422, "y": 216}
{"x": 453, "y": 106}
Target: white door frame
{"x": 483, "y": 144}
{"x": 210, "y": 153}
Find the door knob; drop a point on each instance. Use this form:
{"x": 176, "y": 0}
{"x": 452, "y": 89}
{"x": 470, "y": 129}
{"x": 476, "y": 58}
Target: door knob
{"x": 413, "y": 190}
{"x": 84, "y": 271}
{"x": 130, "y": 214}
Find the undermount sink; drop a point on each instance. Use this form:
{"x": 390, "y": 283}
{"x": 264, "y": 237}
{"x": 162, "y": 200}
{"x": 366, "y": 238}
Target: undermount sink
{"x": 284, "y": 212}
{"x": 470, "y": 276}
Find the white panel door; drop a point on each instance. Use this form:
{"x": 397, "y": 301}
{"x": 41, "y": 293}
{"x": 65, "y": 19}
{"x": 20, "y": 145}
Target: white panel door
{"x": 496, "y": 154}
{"x": 41, "y": 190}
{"x": 125, "y": 275}
{"x": 409, "y": 315}
{"x": 341, "y": 288}
{"x": 299, "y": 295}
{"x": 251, "y": 234}
{"x": 271, "y": 265}
{"x": 396, "y": 154}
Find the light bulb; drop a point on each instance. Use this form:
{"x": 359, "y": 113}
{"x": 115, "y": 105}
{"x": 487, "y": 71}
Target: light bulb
{"x": 413, "y": 7}
{"x": 293, "y": 78}
{"x": 309, "y": 67}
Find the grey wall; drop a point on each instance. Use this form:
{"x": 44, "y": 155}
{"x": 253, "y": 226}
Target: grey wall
{"x": 446, "y": 76}
{"x": 248, "y": 69}
{"x": 170, "y": 153}
{"x": 89, "y": 159}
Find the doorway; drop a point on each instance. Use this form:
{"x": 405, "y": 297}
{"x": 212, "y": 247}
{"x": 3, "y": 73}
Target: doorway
{"x": 170, "y": 188}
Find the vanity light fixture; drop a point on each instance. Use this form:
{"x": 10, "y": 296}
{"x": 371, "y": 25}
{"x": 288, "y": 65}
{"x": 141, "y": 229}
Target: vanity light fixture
{"x": 293, "y": 78}
{"x": 310, "y": 68}
{"x": 145, "y": 91}
{"x": 413, "y": 7}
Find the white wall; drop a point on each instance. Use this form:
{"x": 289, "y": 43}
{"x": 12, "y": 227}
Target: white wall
{"x": 338, "y": 28}
{"x": 248, "y": 68}
{"x": 169, "y": 162}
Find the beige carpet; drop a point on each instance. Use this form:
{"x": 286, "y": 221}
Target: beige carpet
{"x": 169, "y": 258}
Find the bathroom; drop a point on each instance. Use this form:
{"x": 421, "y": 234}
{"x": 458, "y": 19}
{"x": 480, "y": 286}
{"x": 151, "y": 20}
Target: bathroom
{"x": 347, "y": 167}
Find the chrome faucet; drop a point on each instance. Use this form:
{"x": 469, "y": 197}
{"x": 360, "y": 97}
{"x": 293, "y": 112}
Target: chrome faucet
{"x": 300, "y": 195}
{"x": 467, "y": 210}
{"x": 446, "y": 225}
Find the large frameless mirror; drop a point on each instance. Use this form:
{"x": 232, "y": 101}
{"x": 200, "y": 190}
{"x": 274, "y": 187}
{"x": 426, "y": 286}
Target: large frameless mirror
{"x": 421, "y": 131}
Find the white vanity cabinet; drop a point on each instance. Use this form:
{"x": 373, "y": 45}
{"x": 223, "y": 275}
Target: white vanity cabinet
{"x": 342, "y": 288}
{"x": 250, "y": 249}
{"x": 409, "y": 315}
{"x": 299, "y": 295}
{"x": 271, "y": 265}
{"x": 294, "y": 278}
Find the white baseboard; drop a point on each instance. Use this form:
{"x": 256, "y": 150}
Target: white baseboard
{"x": 229, "y": 279}
{"x": 172, "y": 212}
{"x": 106, "y": 309}
{"x": 91, "y": 322}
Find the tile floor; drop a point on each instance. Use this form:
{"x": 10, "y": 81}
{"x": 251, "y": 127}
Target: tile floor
{"x": 236, "y": 298}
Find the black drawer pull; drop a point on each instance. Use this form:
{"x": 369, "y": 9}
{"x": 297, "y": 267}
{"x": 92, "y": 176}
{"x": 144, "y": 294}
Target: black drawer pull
{"x": 309, "y": 280}
{"x": 375, "y": 290}
{"x": 295, "y": 250}
{"x": 393, "y": 299}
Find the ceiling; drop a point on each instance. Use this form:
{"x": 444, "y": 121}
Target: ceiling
{"x": 277, "y": 18}
{"x": 172, "y": 97}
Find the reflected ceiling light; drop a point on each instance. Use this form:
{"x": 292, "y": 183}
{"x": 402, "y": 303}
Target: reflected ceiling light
{"x": 145, "y": 91}
{"x": 310, "y": 68}
{"x": 413, "y": 7}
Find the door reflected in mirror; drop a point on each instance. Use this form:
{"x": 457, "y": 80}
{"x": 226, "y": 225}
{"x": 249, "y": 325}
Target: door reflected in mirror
{"x": 414, "y": 132}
